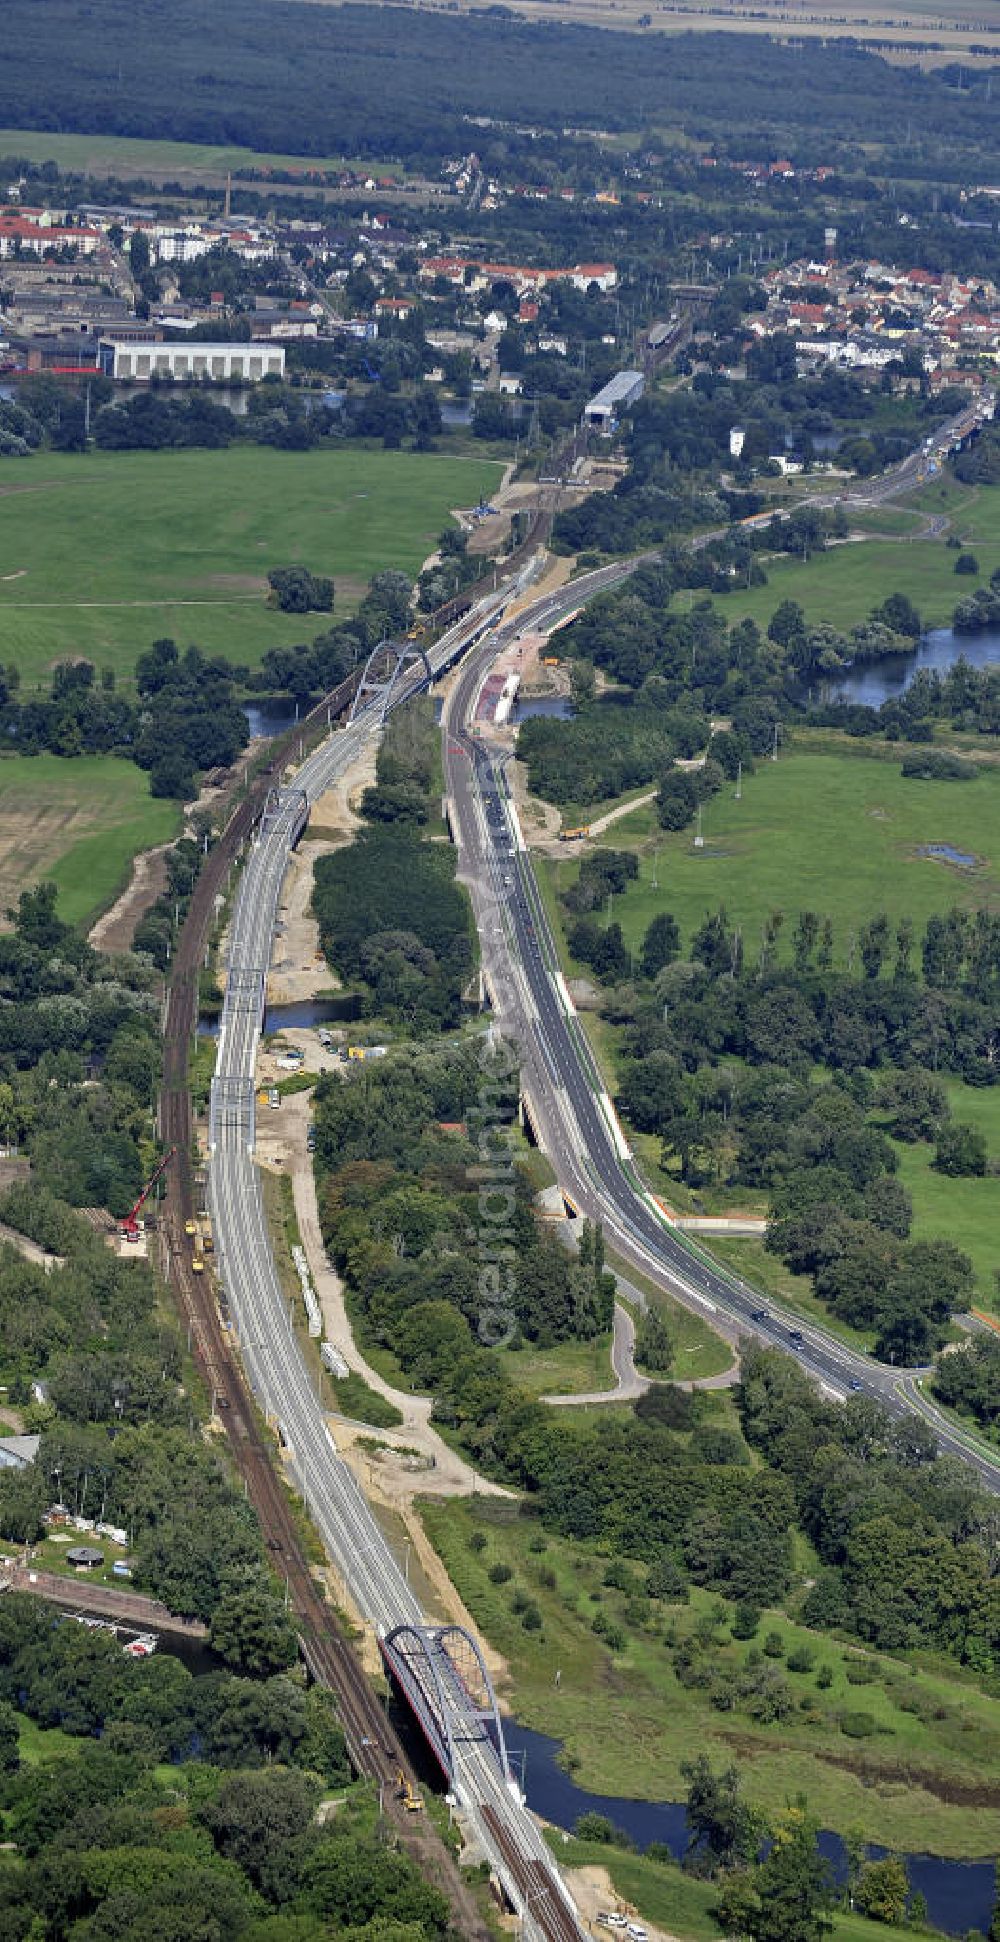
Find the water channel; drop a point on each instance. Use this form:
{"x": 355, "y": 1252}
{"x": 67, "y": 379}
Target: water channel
{"x": 959, "y": 1894}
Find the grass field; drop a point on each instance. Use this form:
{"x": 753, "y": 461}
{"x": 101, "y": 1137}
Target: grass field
{"x": 966, "y": 1211}
{"x": 844, "y": 584}
{"x": 79, "y": 822}
{"x": 103, "y": 554}
{"x": 833, "y": 831}
{"x": 677, "y": 1902}
{"x": 928, "y": 1780}
{"x": 123, "y": 156}
{"x": 568, "y": 1369}
{"x": 39, "y": 1745}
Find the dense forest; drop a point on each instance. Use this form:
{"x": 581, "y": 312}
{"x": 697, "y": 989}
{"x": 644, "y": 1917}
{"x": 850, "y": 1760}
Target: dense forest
{"x": 65, "y": 1012}
{"x": 290, "y": 78}
{"x": 183, "y": 1807}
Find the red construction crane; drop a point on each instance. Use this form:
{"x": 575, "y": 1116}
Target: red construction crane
{"x": 129, "y": 1227}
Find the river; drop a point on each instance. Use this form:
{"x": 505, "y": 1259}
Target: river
{"x": 873, "y": 682}
{"x": 959, "y": 1894}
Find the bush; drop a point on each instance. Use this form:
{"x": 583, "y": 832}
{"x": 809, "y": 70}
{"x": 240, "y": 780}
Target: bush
{"x": 936, "y": 765}
{"x": 774, "y": 1645}
{"x": 531, "y": 1618}
{"x": 477, "y": 1541}
{"x": 746, "y": 1619}
{"x": 859, "y": 1672}
{"x": 967, "y": 563}
{"x": 667, "y": 1581}
{"x": 801, "y": 1659}
{"x": 500, "y": 1574}
{"x": 597, "y": 1827}
{"x": 858, "y": 1726}
{"x": 824, "y": 1678}
{"x": 961, "y": 1151}
{"x": 297, "y": 591}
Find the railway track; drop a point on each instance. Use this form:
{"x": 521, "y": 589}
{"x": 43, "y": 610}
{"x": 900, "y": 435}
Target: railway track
{"x": 376, "y": 1752}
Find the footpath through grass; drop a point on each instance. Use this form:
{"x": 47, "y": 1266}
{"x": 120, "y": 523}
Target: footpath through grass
{"x": 925, "y": 1778}
{"x": 78, "y": 821}
{"x": 104, "y": 553}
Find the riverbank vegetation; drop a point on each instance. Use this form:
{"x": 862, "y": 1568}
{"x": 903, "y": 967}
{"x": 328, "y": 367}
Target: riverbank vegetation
{"x": 900, "y": 947}
{"x": 650, "y": 1679}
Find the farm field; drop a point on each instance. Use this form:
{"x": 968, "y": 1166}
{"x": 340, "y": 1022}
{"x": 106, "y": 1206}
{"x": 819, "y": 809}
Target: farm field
{"x": 844, "y": 584}
{"x": 79, "y": 822}
{"x": 628, "y": 1723}
{"x": 124, "y": 156}
{"x": 835, "y": 832}
{"x": 102, "y": 554}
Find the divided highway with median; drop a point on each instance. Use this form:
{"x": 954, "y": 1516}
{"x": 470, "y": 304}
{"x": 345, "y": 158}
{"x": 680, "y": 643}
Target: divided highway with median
{"x": 278, "y": 1374}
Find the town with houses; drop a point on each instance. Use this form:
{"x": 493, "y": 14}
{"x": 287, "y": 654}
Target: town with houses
{"x": 70, "y": 301}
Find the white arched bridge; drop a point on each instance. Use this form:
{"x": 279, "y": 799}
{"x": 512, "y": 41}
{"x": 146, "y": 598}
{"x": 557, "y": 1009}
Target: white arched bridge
{"x": 441, "y": 1673}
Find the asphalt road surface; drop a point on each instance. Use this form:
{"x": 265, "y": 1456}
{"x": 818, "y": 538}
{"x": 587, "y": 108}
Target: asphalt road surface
{"x": 278, "y": 1374}
{"x": 569, "y": 1106}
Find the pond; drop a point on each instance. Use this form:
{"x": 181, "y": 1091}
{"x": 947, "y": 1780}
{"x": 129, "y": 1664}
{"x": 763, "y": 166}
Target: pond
{"x": 959, "y": 1894}
{"x": 883, "y": 680}
{"x": 557, "y": 707}
{"x": 944, "y": 853}
{"x": 273, "y": 714}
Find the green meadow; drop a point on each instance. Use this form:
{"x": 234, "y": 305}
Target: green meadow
{"x": 842, "y": 585}
{"x": 830, "y": 830}
{"x": 628, "y": 1723}
{"x": 104, "y": 553}
{"x": 124, "y": 156}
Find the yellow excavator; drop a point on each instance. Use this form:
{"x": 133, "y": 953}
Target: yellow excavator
{"x": 404, "y": 1792}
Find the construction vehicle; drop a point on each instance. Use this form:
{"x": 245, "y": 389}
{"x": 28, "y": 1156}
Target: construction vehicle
{"x": 574, "y": 835}
{"x": 129, "y": 1228}
{"x": 404, "y": 1792}
{"x": 205, "y": 1230}
{"x": 190, "y": 1229}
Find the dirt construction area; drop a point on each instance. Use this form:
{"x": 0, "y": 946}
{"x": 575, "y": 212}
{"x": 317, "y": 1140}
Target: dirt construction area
{"x": 298, "y": 967}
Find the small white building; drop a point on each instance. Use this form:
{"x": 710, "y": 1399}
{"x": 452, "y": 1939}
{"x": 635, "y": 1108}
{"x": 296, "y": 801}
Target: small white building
{"x": 136, "y": 363}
